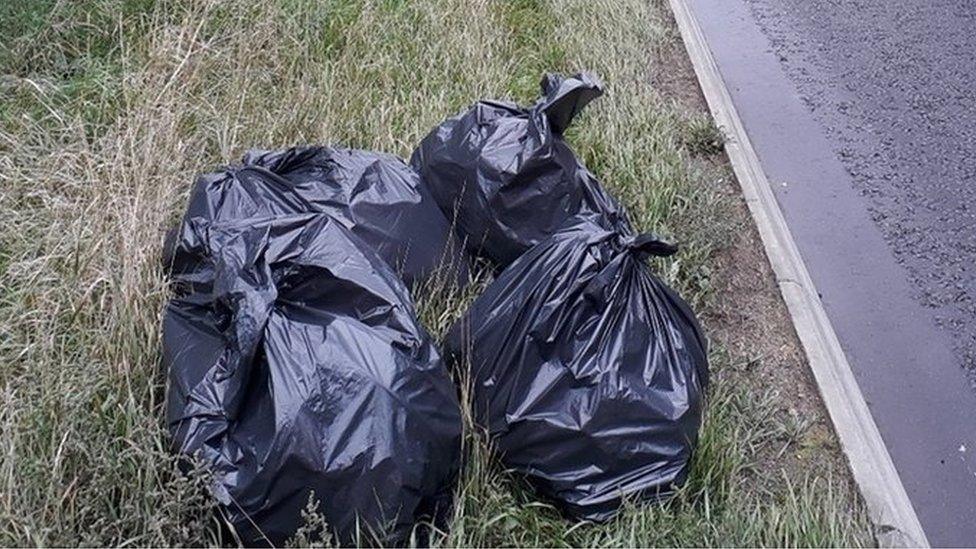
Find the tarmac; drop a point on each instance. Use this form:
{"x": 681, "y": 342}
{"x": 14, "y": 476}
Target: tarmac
{"x": 862, "y": 115}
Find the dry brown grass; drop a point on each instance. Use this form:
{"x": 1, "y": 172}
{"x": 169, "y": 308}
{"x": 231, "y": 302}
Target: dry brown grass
{"x": 109, "y": 107}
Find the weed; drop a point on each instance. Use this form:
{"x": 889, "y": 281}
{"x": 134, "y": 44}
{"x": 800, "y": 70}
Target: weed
{"x": 702, "y": 137}
{"x": 109, "y": 107}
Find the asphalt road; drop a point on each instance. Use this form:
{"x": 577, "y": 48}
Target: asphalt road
{"x": 863, "y": 113}
{"x": 894, "y": 86}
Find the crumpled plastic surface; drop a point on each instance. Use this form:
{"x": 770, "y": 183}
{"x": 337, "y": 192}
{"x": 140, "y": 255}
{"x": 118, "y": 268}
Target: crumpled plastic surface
{"x": 376, "y": 195}
{"x": 297, "y": 365}
{"x": 507, "y": 176}
{"x": 587, "y": 372}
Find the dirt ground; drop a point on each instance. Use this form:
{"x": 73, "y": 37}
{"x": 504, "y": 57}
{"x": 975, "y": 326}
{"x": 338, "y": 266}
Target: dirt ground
{"x": 108, "y": 109}
{"x": 748, "y": 318}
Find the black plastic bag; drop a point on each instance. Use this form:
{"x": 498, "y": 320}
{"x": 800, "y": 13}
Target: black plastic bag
{"x": 587, "y": 372}
{"x": 376, "y": 195}
{"x": 297, "y": 365}
{"x": 505, "y": 173}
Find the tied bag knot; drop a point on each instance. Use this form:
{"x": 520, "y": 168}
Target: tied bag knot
{"x": 649, "y": 244}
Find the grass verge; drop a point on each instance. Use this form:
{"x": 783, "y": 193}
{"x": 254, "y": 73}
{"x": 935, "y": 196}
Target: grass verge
{"x": 109, "y": 107}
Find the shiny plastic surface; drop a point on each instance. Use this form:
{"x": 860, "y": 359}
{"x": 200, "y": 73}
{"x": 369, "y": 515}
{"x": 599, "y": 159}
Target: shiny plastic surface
{"x": 376, "y": 195}
{"x": 587, "y": 371}
{"x": 297, "y": 365}
{"x": 507, "y": 176}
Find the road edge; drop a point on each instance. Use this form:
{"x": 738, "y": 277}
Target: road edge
{"x": 888, "y": 506}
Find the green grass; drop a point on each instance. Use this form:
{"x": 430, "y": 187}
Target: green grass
{"x": 108, "y": 109}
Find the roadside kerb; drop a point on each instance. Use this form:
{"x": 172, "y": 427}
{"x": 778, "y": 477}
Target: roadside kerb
{"x": 888, "y": 506}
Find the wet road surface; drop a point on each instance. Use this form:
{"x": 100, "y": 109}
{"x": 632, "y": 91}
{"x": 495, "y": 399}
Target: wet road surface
{"x": 863, "y": 113}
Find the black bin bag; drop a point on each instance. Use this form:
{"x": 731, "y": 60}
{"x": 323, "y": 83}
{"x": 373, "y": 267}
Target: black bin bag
{"x": 507, "y": 176}
{"x": 376, "y": 195}
{"x": 587, "y": 372}
{"x": 297, "y": 365}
